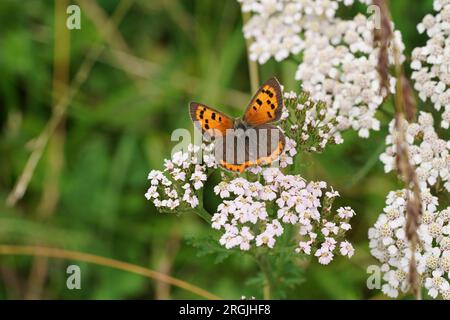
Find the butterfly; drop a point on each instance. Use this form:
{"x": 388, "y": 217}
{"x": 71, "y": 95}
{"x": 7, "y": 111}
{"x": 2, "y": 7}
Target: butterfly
{"x": 247, "y": 141}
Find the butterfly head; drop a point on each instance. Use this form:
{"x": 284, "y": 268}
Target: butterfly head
{"x": 240, "y": 124}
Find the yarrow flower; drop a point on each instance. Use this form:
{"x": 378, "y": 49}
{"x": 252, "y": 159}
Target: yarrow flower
{"x": 427, "y": 152}
{"x": 276, "y": 25}
{"x": 339, "y": 67}
{"x": 184, "y": 174}
{"x": 389, "y": 245}
{"x": 255, "y": 214}
{"x": 339, "y": 56}
{"x": 431, "y": 63}
{"x": 304, "y": 122}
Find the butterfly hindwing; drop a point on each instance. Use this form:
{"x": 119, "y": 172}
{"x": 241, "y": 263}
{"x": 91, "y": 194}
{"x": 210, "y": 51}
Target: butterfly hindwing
{"x": 267, "y": 104}
{"x": 255, "y": 146}
{"x": 209, "y": 120}
{"x": 271, "y": 144}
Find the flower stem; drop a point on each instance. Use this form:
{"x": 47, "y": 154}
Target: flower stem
{"x": 252, "y": 65}
{"x": 263, "y": 266}
{"x": 266, "y": 291}
{"x": 200, "y": 211}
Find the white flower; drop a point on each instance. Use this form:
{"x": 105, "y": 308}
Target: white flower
{"x": 304, "y": 246}
{"x": 431, "y": 63}
{"x": 267, "y": 193}
{"x": 389, "y": 245}
{"x": 324, "y": 256}
{"x": 179, "y": 174}
{"x": 436, "y": 284}
{"x": 346, "y": 249}
{"x": 182, "y": 171}
{"x": 345, "y": 212}
{"x": 152, "y": 193}
{"x": 329, "y": 228}
{"x": 222, "y": 190}
{"x": 246, "y": 237}
{"x": 198, "y": 177}
{"x": 179, "y": 158}
{"x": 427, "y": 152}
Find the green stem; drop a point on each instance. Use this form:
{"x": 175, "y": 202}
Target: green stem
{"x": 202, "y": 213}
{"x": 263, "y": 266}
{"x": 200, "y": 210}
{"x": 252, "y": 65}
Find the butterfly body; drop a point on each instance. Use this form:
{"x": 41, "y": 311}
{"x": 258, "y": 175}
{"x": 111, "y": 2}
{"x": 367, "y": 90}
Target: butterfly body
{"x": 240, "y": 124}
{"x": 249, "y": 140}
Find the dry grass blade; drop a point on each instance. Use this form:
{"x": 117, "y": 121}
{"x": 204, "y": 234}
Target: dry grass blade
{"x": 108, "y": 262}
{"x": 382, "y": 38}
{"x": 405, "y": 108}
{"x": 410, "y": 99}
{"x": 408, "y": 173}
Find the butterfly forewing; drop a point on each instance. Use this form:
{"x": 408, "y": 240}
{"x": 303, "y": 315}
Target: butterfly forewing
{"x": 266, "y": 106}
{"x": 209, "y": 120}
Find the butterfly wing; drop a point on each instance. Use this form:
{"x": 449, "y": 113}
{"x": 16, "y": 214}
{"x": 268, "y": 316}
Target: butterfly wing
{"x": 257, "y": 146}
{"x": 267, "y": 104}
{"x": 271, "y": 142}
{"x": 209, "y": 120}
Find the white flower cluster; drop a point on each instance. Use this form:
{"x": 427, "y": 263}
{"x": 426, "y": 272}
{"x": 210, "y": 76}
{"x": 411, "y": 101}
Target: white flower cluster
{"x": 339, "y": 62}
{"x": 427, "y": 152}
{"x": 303, "y": 121}
{"x": 276, "y": 25}
{"x": 431, "y": 63}
{"x": 184, "y": 174}
{"x": 257, "y": 214}
{"x": 389, "y": 245}
{"x": 340, "y": 67}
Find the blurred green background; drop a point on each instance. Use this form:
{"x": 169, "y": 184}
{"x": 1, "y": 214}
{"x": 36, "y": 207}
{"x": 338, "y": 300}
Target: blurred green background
{"x": 141, "y": 63}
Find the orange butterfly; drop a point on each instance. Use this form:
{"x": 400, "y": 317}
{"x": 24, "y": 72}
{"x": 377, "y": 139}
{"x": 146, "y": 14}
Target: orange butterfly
{"x": 248, "y": 141}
